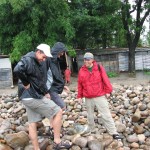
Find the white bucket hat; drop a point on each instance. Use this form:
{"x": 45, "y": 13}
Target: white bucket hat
{"x": 46, "y": 49}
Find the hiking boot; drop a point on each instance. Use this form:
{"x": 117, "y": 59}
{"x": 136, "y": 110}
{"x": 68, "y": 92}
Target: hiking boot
{"x": 61, "y": 145}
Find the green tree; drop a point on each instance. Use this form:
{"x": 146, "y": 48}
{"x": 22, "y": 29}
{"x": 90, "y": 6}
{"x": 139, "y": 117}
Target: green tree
{"x": 24, "y": 24}
{"x": 133, "y": 27}
{"x": 95, "y": 22}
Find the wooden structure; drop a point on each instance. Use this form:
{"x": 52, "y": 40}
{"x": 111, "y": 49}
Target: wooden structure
{"x": 6, "y": 77}
{"x": 116, "y": 60}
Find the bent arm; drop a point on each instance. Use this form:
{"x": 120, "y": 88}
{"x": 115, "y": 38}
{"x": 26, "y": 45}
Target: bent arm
{"x": 20, "y": 71}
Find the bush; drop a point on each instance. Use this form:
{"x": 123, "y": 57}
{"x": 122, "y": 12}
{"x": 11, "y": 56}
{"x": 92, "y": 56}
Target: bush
{"x": 112, "y": 74}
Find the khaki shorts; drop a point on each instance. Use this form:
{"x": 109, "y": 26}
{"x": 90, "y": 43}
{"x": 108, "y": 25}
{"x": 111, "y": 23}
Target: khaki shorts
{"x": 37, "y": 109}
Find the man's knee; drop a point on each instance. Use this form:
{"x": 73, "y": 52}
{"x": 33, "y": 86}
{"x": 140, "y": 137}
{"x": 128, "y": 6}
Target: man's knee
{"x": 59, "y": 113}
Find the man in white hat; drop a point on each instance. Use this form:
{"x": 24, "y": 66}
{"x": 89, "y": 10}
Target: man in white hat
{"x": 33, "y": 92}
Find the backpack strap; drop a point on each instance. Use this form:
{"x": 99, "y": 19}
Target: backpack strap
{"x": 98, "y": 67}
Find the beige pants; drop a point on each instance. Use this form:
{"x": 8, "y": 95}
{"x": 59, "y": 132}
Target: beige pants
{"x": 103, "y": 108}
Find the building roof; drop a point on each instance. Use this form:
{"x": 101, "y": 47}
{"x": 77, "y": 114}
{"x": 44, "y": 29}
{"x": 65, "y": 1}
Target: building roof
{"x": 111, "y": 50}
{"x": 5, "y": 63}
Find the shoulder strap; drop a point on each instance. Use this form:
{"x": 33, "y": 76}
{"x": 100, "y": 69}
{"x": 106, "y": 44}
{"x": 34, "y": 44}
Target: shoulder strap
{"x": 98, "y": 67}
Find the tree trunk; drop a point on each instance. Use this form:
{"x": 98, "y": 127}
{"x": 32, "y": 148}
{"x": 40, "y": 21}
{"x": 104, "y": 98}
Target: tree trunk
{"x": 131, "y": 60}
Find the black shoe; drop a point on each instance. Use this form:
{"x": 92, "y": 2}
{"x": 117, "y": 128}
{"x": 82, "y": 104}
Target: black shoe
{"x": 49, "y": 134}
{"x": 61, "y": 145}
{"x": 117, "y": 137}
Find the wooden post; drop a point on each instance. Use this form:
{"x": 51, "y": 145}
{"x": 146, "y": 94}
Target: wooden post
{"x": 66, "y": 59}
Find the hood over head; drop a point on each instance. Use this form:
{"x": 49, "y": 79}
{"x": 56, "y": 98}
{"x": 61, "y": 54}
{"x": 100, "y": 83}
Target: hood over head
{"x": 57, "y": 48}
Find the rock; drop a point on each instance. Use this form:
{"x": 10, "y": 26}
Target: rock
{"x": 81, "y": 141}
{"x": 4, "y": 126}
{"x": 130, "y": 107}
{"x": 132, "y": 138}
{"x": 136, "y": 116}
{"x": 147, "y": 121}
{"x": 95, "y": 145}
{"x": 44, "y": 144}
{"x": 141, "y": 138}
{"x": 16, "y": 140}
{"x": 135, "y": 100}
{"x": 65, "y": 124}
{"x": 138, "y": 129}
{"x": 143, "y": 107}
{"x": 120, "y": 127}
{"x": 147, "y": 142}
{"x": 134, "y": 145}
{"x": 8, "y": 105}
{"x": 5, "y": 147}
{"x": 75, "y": 147}
{"x": 114, "y": 145}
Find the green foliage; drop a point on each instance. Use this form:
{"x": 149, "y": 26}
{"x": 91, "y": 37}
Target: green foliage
{"x": 147, "y": 71}
{"x": 71, "y": 52}
{"x": 82, "y": 23}
{"x": 25, "y": 24}
{"x": 21, "y": 45}
{"x": 95, "y": 22}
{"x": 139, "y": 43}
{"x": 112, "y": 74}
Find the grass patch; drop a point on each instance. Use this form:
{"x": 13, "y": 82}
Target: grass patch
{"x": 147, "y": 71}
{"x": 112, "y": 74}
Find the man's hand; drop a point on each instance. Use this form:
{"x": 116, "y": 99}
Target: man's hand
{"x": 27, "y": 86}
{"x": 47, "y": 96}
{"x": 80, "y": 100}
{"x": 66, "y": 88}
{"x": 107, "y": 95}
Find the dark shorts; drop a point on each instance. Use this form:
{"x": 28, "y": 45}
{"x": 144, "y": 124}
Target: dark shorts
{"x": 37, "y": 109}
{"x": 57, "y": 99}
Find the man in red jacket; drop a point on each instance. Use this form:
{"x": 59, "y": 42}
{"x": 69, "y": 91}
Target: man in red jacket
{"x": 94, "y": 85}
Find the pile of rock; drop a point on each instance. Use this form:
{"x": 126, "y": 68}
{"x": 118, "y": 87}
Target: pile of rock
{"x": 130, "y": 107}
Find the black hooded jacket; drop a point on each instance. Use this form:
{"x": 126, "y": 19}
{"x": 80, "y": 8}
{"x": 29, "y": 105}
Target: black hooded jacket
{"x": 30, "y": 71}
{"x": 58, "y": 81}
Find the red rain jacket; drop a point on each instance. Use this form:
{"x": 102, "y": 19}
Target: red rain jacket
{"x": 93, "y": 84}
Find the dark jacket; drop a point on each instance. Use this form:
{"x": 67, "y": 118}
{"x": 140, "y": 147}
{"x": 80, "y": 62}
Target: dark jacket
{"x": 30, "y": 71}
{"x": 58, "y": 81}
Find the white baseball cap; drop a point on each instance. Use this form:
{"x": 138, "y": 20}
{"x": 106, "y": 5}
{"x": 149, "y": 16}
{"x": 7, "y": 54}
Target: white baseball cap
{"x": 46, "y": 49}
{"x": 88, "y": 55}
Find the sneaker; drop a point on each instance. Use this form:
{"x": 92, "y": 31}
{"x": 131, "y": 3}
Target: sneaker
{"x": 117, "y": 137}
{"x": 61, "y": 145}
